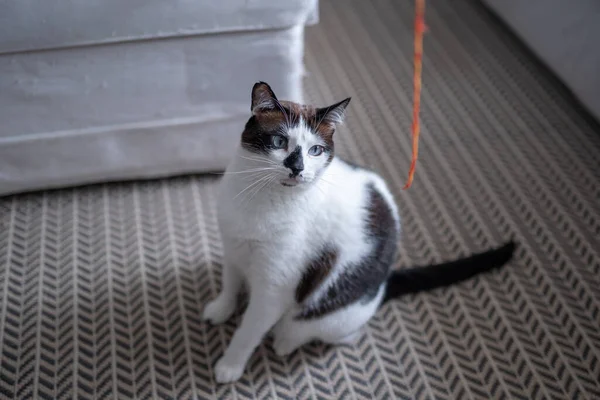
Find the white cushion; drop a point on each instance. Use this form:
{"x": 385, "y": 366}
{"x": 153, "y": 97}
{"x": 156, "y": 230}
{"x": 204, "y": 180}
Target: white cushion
{"x": 43, "y": 24}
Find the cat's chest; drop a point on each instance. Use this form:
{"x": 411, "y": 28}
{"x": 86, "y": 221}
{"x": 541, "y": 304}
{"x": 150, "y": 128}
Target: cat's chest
{"x": 264, "y": 227}
{"x": 261, "y": 220}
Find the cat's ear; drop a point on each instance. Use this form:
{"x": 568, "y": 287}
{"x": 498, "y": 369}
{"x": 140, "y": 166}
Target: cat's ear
{"x": 335, "y": 113}
{"x": 263, "y": 98}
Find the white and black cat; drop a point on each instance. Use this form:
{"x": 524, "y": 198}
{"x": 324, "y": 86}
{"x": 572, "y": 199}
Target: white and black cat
{"x": 313, "y": 237}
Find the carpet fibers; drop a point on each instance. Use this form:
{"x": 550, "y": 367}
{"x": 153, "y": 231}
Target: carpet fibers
{"x": 102, "y": 287}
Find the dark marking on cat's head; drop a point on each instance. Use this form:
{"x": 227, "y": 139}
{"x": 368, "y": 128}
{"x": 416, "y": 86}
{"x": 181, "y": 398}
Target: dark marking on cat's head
{"x": 263, "y": 97}
{"x": 326, "y": 119}
{"x": 317, "y": 270}
{"x": 294, "y": 162}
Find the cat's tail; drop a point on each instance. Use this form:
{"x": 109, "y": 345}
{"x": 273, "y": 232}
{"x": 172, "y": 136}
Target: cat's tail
{"x": 418, "y": 279}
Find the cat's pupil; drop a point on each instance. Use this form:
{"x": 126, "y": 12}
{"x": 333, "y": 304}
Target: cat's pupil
{"x": 278, "y": 141}
{"x": 316, "y": 150}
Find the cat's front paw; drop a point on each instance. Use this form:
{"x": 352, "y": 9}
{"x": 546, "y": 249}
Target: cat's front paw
{"x": 226, "y": 372}
{"x": 218, "y": 311}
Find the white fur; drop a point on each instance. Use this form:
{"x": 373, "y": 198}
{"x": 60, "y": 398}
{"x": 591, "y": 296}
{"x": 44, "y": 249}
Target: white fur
{"x": 271, "y": 231}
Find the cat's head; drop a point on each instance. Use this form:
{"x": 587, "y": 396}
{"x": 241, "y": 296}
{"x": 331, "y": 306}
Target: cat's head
{"x": 295, "y": 140}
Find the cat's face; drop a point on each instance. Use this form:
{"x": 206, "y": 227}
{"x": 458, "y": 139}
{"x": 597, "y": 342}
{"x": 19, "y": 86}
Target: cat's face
{"x": 294, "y": 140}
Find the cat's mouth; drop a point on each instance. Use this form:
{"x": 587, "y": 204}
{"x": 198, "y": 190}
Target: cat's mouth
{"x": 291, "y": 182}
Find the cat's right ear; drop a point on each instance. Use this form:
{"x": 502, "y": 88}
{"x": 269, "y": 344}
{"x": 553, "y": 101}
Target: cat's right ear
{"x": 335, "y": 113}
{"x": 263, "y": 98}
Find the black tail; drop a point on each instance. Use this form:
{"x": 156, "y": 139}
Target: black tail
{"x": 418, "y": 279}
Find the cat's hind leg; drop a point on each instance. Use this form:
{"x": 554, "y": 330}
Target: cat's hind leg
{"x": 349, "y": 339}
{"x": 286, "y": 341}
{"x": 340, "y": 327}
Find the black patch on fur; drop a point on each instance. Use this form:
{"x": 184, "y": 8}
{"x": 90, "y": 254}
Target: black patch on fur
{"x": 294, "y": 161}
{"x": 362, "y": 280}
{"x": 316, "y": 273}
{"x": 256, "y": 138}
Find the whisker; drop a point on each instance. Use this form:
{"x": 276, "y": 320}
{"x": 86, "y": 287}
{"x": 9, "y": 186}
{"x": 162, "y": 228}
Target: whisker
{"x": 261, "y": 187}
{"x": 254, "y": 175}
{"x": 250, "y": 195}
{"x": 329, "y": 183}
{"x": 246, "y": 188}
{"x": 243, "y": 172}
{"x": 263, "y": 160}
{"x": 251, "y": 185}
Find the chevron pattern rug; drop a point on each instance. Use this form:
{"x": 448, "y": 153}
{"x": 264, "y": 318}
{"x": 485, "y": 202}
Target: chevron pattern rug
{"x": 102, "y": 287}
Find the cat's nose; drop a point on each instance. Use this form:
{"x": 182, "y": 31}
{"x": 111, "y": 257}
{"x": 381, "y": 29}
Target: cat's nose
{"x": 294, "y": 162}
{"x": 296, "y": 172}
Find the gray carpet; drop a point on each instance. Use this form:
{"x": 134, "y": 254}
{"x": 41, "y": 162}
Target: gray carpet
{"x": 102, "y": 287}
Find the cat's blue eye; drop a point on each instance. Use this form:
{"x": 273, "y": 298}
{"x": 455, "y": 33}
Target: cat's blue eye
{"x": 278, "y": 142}
{"x": 316, "y": 150}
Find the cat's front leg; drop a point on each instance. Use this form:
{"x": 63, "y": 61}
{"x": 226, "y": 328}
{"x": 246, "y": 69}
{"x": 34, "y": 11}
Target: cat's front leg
{"x": 264, "y": 309}
{"x": 222, "y": 307}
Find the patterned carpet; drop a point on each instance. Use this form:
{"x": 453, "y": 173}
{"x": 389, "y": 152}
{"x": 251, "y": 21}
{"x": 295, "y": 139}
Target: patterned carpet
{"x": 102, "y": 287}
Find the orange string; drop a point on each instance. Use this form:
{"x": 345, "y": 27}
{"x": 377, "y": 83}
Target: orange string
{"x": 418, "y": 60}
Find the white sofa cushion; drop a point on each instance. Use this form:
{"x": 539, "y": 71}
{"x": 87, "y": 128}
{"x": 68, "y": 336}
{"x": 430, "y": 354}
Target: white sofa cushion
{"x": 42, "y": 24}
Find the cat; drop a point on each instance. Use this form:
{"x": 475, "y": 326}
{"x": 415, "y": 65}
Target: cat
{"x": 314, "y": 238}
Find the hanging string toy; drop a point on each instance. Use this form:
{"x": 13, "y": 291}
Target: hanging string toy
{"x": 418, "y": 61}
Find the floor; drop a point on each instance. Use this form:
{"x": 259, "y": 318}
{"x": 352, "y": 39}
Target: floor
{"x": 102, "y": 287}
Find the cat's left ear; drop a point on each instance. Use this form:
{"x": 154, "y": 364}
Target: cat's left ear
{"x": 263, "y": 98}
{"x": 335, "y": 113}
